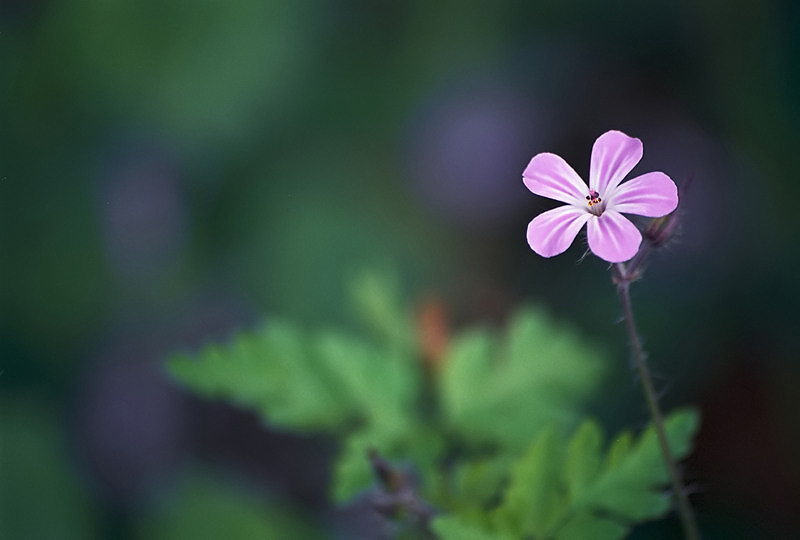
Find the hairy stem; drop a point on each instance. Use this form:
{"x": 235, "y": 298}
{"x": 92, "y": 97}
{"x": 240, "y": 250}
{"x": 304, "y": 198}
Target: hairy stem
{"x": 623, "y": 278}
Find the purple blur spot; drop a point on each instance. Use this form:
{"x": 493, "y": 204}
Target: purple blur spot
{"x": 143, "y": 211}
{"x": 466, "y": 150}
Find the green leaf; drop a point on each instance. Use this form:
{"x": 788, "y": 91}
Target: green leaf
{"x": 454, "y": 528}
{"x": 376, "y": 299}
{"x": 274, "y": 371}
{"x": 304, "y": 381}
{"x": 476, "y": 483}
{"x": 539, "y": 375}
{"x": 570, "y": 490}
{"x": 585, "y": 525}
{"x": 534, "y": 499}
{"x": 619, "y": 449}
{"x": 633, "y": 483}
{"x": 380, "y": 384}
{"x": 417, "y": 448}
{"x": 466, "y": 364}
{"x": 583, "y": 458}
{"x": 324, "y": 381}
{"x": 352, "y": 471}
{"x": 631, "y": 487}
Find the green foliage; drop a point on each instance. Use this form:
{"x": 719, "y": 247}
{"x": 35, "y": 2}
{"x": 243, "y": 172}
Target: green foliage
{"x": 327, "y": 381}
{"x": 564, "y": 489}
{"x": 539, "y": 375}
{"x": 376, "y": 301}
{"x": 304, "y": 381}
{"x": 533, "y": 501}
{"x": 146, "y": 54}
{"x": 487, "y": 433}
{"x": 277, "y": 371}
{"x": 453, "y": 528}
{"x": 204, "y": 508}
{"x": 40, "y": 494}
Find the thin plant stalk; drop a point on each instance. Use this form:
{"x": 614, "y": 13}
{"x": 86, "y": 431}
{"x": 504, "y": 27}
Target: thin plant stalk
{"x": 623, "y": 278}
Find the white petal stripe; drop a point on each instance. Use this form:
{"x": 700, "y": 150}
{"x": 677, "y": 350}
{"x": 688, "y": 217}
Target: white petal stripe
{"x": 553, "y": 231}
{"x": 653, "y": 195}
{"x": 550, "y": 176}
{"x": 614, "y": 155}
{"x": 612, "y": 237}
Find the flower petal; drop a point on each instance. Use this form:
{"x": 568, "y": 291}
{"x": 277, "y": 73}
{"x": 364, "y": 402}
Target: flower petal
{"x": 550, "y": 176}
{"x": 653, "y": 195}
{"x": 612, "y": 237}
{"x": 552, "y": 232}
{"x": 614, "y": 155}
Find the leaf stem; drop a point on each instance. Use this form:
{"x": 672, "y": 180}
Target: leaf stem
{"x": 623, "y": 278}
{"x": 398, "y": 496}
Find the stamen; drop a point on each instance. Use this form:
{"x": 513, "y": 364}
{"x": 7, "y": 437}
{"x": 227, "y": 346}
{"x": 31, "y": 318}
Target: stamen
{"x": 596, "y": 204}
{"x": 593, "y": 198}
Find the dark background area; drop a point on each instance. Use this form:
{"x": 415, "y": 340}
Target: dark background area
{"x": 172, "y": 171}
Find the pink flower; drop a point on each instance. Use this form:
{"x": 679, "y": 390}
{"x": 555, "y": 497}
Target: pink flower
{"x": 600, "y": 205}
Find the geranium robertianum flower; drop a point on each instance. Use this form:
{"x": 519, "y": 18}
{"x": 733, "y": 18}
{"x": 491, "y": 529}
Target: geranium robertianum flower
{"x": 599, "y": 205}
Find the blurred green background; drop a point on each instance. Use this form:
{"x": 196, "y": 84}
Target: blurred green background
{"x": 173, "y": 170}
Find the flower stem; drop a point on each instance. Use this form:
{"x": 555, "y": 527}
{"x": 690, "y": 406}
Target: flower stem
{"x": 623, "y": 278}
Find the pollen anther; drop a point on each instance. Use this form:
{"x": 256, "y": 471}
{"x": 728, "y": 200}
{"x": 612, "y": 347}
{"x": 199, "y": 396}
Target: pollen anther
{"x": 593, "y": 198}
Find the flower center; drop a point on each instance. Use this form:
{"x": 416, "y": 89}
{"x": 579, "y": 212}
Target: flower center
{"x": 596, "y": 204}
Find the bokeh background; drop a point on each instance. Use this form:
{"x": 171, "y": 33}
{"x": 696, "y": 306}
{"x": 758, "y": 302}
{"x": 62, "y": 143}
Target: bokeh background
{"x": 173, "y": 170}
